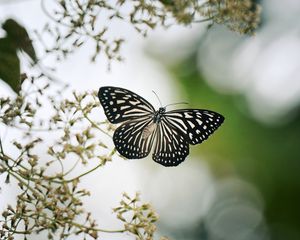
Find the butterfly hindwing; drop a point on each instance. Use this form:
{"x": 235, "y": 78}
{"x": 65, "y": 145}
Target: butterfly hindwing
{"x": 121, "y": 104}
{"x": 171, "y": 148}
{"x": 130, "y": 138}
{"x": 195, "y": 124}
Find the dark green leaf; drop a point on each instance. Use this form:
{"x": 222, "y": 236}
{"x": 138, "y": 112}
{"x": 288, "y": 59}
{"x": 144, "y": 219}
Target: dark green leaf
{"x": 18, "y": 35}
{"x": 9, "y": 64}
{"x": 167, "y": 2}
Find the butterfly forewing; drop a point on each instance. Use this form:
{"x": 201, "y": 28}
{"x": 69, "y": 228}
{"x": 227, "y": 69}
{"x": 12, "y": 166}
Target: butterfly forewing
{"x": 195, "y": 124}
{"x": 121, "y": 104}
{"x": 130, "y": 138}
{"x": 171, "y": 148}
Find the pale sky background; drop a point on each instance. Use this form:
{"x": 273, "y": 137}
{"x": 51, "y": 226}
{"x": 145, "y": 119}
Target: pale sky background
{"x": 248, "y": 67}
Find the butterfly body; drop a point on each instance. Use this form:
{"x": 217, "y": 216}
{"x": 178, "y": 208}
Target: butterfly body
{"x": 158, "y": 115}
{"x": 170, "y": 132}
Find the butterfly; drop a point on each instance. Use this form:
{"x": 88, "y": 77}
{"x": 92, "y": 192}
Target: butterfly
{"x": 170, "y": 132}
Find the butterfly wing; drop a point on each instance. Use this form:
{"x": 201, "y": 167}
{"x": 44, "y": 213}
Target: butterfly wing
{"x": 121, "y": 104}
{"x": 195, "y": 124}
{"x": 132, "y": 139}
{"x": 171, "y": 147}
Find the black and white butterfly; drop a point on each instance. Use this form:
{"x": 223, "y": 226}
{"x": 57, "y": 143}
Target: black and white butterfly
{"x": 142, "y": 126}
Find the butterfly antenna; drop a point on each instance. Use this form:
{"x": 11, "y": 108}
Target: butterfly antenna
{"x": 176, "y": 103}
{"x": 157, "y": 98}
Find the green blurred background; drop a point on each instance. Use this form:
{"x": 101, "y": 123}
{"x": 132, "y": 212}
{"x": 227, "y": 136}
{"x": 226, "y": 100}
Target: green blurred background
{"x": 265, "y": 155}
{"x": 259, "y": 142}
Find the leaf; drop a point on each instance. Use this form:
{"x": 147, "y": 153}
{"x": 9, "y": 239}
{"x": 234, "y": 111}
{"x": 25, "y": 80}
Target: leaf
{"x": 18, "y": 35}
{"x": 167, "y": 2}
{"x": 16, "y": 39}
{"x": 9, "y": 64}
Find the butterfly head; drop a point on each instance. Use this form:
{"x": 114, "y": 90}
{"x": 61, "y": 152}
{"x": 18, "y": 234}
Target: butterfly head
{"x": 158, "y": 114}
{"x": 161, "y": 110}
